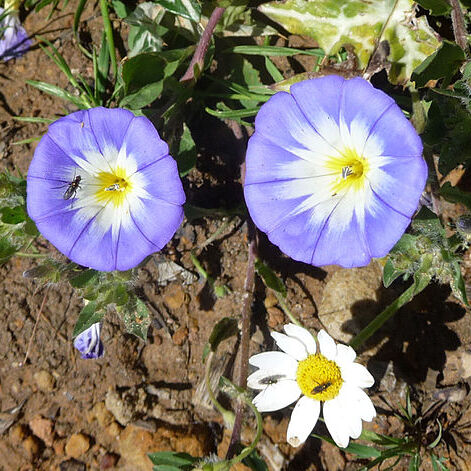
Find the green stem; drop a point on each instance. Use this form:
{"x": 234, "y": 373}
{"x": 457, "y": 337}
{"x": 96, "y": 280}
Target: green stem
{"x": 286, "y": 309}
{"x": 227, "y": 415}
{"x": 31, "y": 255}
{"x": 109, "y": 35}
{"x": 384, "y": 316}
{"x": 246, "y": 451}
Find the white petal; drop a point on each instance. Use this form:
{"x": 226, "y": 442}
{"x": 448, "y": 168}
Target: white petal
{"x": 345, "y": 355}
{"x": 327, "y": 345}
{"x": 277, "y": 396}
{"x": 303, "y": 419}
{"x": 290, "y": 345}
{"x": 260, "y": 379}
{"x": 275, "y": 361}
{"x": 334, "y": 417}
{"x": 357, "y": 375}
{"x": 303, "y": 335}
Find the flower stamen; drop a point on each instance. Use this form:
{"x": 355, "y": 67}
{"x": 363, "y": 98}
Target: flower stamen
{"x": 319, "y": 378}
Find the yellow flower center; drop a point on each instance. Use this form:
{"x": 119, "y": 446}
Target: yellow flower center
{"x": 113, "y": 186}
{"x": 319, "y": 378}
{"x": 351, "y": 170}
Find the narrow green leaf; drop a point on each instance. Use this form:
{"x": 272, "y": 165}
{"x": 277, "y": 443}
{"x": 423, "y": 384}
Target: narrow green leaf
{"x": 274, "y": 51}
{"x": 276, "y": 75}
{"x": 233, "y": 113}
{"x": 186, "y": 156}
{"x": 171, "y": 458}
{"x": 189, "y": 9}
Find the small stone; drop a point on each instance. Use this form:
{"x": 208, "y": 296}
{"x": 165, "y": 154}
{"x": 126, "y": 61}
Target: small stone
{"x": 77, "y": 445}
{"x": 44, "y": 380}
{"x": 180, "y": 336}
{"x": 113, "y": 430}
{"x": 59, "y": 447}
{"x": 175, "y": 296}
{"x": 270, "y": 301}
{"x": 102, "y": 415}
{"x": 275, "y": 317}
{"x": 42, "y": 428}
{"x": 72, "y": 465}
{"x": 32, "y": 446}
{"x": 122, "y": 410}
{"x": 109, "y": 461}
{"x": 18, "y": 433}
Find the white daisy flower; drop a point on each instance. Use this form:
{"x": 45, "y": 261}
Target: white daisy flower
{"x": 330, "y": 376}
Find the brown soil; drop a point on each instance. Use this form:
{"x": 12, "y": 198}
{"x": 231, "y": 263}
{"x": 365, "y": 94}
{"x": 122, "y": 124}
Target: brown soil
{"x": 143, "y": 397}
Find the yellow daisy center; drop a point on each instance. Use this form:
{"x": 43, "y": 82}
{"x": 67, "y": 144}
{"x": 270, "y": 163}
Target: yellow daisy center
{"x": 351, "y": 170}
{"x": 319, "y": 378}
{"x": 113, "y": 186}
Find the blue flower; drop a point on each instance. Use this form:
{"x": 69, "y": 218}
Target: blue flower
{"x": 14, "y": 40}
{"x": 104, "y": 190}
{"x": 88, "y": 343}
{"x": 334, "y": 172}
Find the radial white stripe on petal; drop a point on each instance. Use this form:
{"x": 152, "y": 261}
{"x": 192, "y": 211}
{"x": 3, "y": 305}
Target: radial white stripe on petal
{"x": 277, "y": 396}
{"x": 290, "y": 345}
{"x": 303, "y": 419}
{"x": 327, "y": 345}
{"x": 275, "y": 361}
{"x": 303, "y": 335}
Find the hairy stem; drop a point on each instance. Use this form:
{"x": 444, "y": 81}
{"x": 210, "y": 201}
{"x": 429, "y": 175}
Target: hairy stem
{"x": 200, "y": 53}
{"x": 245, "y": 336}
{"x": 459, "y": 27}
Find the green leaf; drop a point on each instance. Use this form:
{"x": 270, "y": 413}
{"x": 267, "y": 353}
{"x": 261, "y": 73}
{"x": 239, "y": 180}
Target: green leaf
{"x": 14, "y": 215}
{"x": 88, "y": 316}
{"x": 7, "y": 249}
{"x": 233, "y": 114}
{"x": 136, "y": 318}
{"x": 186, "y": 156}
{"x": 448, "y": 131}
{"x": 273, "y": 51}
{"x": 171, "y": 458}
{"x": 334, "y": 23}
{"x": 189, "y": 9}
{"x": 58, "y": 92}
{"x": 275, "y": 74}
{"x": 145, "y": 34}
{"x": 455, "y": 195}
{"x": 255, "y": 462}
{"x": 436, "y": 7}
{"x": 83, "y": 278}
{"x": 390, "y": 273}
{"x": 362, "y": 451}
{"x": 270, "y": 278}
{"x": 443, "y": 63}
{"x": 224, "y": 329}
{"x": 121, "y": 9}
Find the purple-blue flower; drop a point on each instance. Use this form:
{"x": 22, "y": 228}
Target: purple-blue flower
{"x": 88, "y": 343}
{"x": 103, "y": 188}
{"x": 14, "y": 40}
{"x": 334, "y": 172}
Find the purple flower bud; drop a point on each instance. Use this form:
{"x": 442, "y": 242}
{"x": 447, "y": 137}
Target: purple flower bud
{"x": 88, "y": 343}
{"x": 14, "y": 40}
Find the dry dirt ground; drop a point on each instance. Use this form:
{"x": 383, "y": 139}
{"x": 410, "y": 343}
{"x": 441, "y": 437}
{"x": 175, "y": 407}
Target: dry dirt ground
{"x": 143, "y": 397}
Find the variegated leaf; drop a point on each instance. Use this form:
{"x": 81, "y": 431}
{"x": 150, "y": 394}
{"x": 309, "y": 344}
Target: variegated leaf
{"x": 363, "y": 24}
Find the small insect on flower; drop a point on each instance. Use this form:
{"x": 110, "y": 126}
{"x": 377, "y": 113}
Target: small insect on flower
{"x": 321, "y": 388}
{"x": 330, "y": 377}
{"x": 124, "y": 196}
{"x": 74, "y": 185}
{"x": 328, "y": 165}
